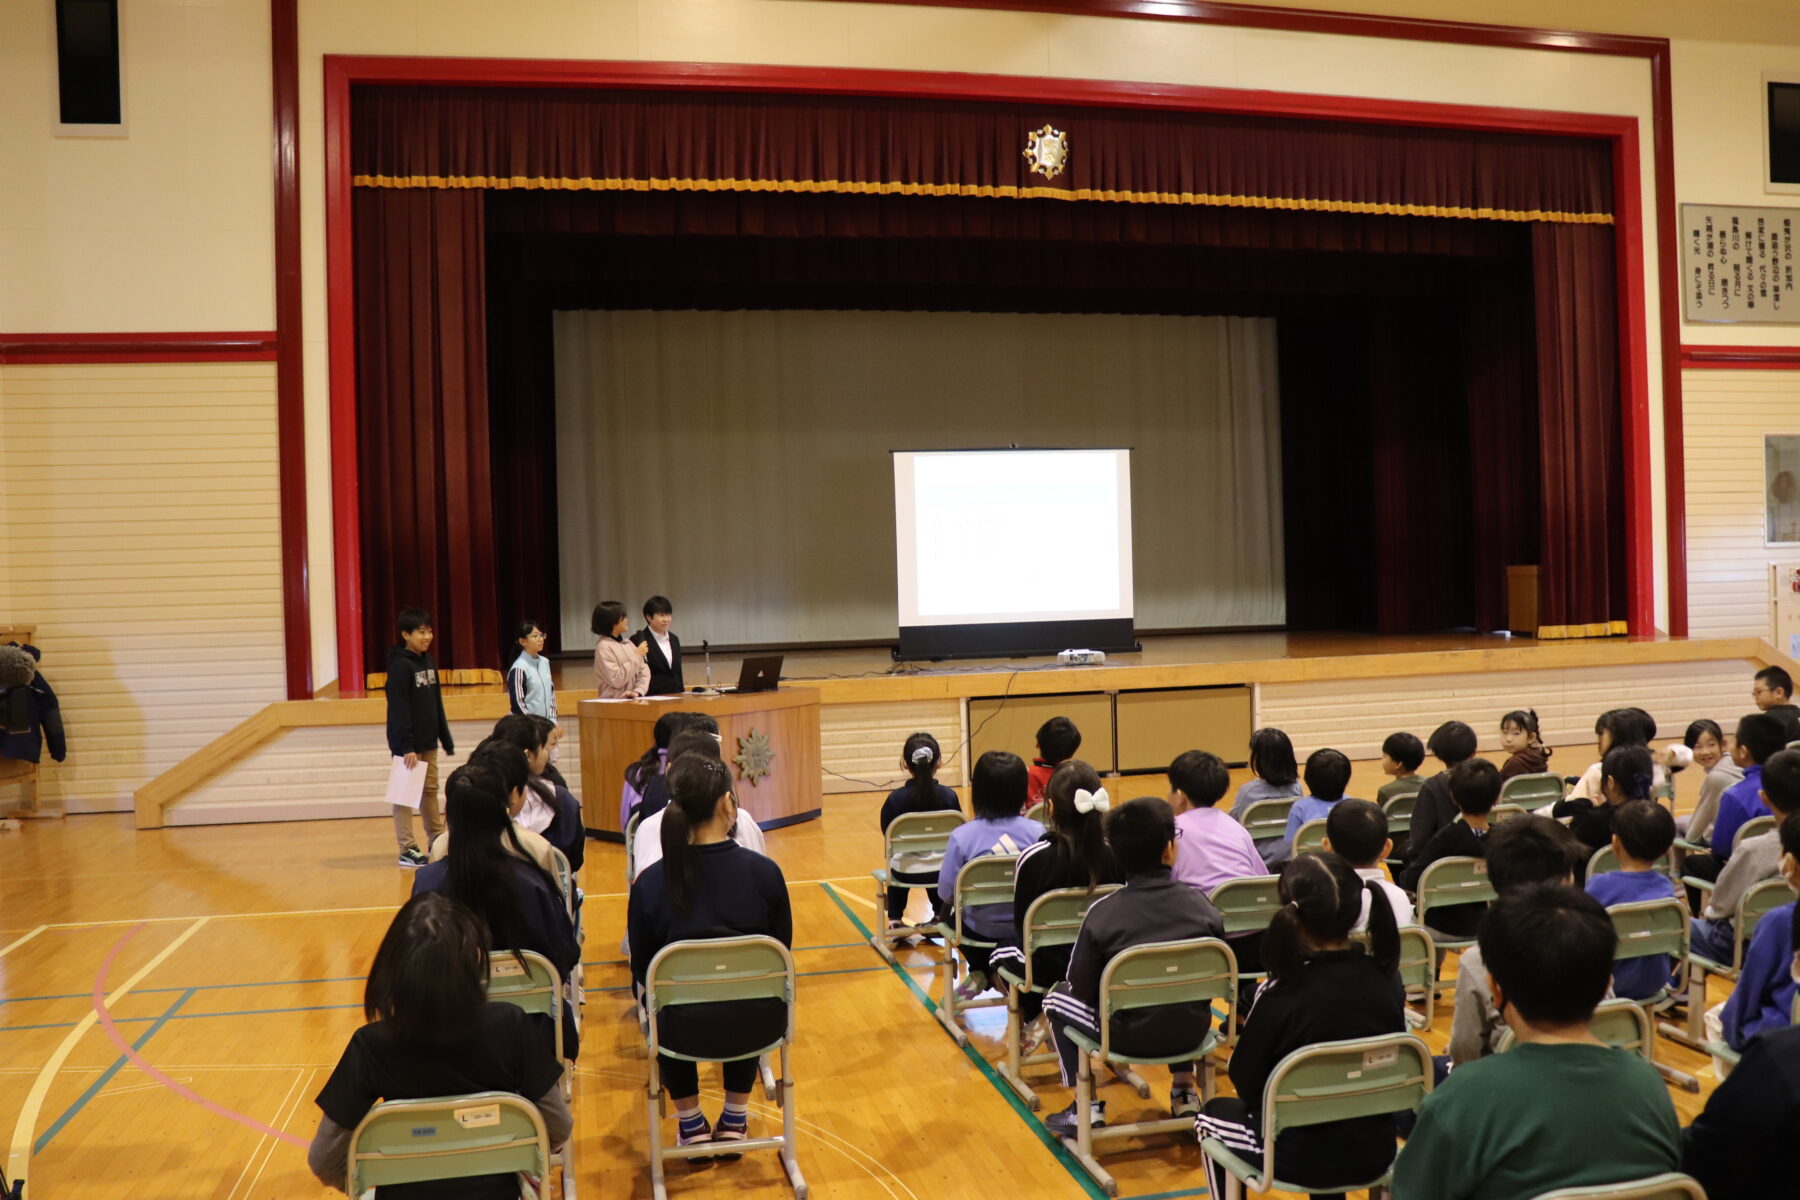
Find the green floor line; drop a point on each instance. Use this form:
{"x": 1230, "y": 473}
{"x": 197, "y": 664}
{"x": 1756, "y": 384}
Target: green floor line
{"x": 981, "y": 1064}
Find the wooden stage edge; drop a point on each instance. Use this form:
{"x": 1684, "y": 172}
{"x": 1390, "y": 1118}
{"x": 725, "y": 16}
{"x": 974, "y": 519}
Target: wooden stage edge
{"x": 1183, "y": 661}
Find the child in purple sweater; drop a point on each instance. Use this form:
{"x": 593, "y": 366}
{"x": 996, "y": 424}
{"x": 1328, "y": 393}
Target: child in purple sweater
{"x": 997, "y": 793}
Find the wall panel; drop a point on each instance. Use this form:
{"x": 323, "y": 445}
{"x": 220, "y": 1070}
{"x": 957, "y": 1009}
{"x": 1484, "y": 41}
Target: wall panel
{"x": 139, "y": 533}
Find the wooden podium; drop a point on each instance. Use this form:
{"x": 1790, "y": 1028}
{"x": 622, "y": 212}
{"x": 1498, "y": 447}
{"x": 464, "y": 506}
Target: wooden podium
{"x": 616, "y": 732}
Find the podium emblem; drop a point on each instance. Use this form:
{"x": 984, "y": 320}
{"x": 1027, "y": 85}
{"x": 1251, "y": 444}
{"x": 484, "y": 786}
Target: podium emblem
{"x": 754, "y": 757}
{"x": 1047, "y": 150}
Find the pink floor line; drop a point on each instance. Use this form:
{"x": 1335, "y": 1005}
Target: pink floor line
{"x": 137, "y": 1060}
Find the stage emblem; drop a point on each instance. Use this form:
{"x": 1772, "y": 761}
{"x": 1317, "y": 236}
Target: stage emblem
{"x": 754, "y": 756}
{"x": 1047, "y": 150}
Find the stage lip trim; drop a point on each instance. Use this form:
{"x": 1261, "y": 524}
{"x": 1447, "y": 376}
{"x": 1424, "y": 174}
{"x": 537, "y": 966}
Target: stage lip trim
{"x": 1015, "y": 639}
{"x": 64, "y": 349}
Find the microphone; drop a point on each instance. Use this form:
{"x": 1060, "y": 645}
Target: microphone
{"x": 706, "y": 649}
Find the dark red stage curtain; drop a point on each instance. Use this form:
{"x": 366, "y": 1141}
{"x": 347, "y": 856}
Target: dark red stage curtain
{"x": 422, "y": 421}
{"x": 1582, "y": 581}
{"x": 660, "y": 141}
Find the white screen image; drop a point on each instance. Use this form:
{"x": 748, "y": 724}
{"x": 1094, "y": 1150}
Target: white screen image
{"x": 974, "y": 530}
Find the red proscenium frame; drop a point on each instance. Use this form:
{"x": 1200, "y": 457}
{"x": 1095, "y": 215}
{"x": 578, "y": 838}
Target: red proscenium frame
{"x": 342, "y": 72}
{"x": 184, "y": 347}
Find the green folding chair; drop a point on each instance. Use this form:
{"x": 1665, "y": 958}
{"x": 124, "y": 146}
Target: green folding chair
{"x": 914, "y": 844}
{"x": 1505, "y": 812}
{"x": 1418, "y": 968}
{"x": 1266, "y": 819}
{"x": 1039, "y": 812}
{"x": 708, "y": 971}
{"x": 1655, "y": 927}
{"x": 1752, "y": 906}
{"x": 1754, "y": 827}
{"x": 1310, "y": 836}
{"x": 449, "y": 1137}
{"x": 1247, "y": 905}
{"x": 1054, "y": 919}
{"x": 1532, "y": 792}
{"x": 1399, "y": 812}
{"x": 1671, "y": 1186}
{"x": 1452, "y": 881}
{"x": 565, "y": 884}
{"x": 1330, "y": 1081}
{"x": 528, "y": 980}
{"x": 1149, "y": 976}
{"x": 631, "y": 828}
{"x": 1621, "y": 1024}
{"x": 981, "y": 881}
{"x": 1604, "y": 860}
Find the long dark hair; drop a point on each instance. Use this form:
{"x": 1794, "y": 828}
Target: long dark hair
{"x": 1321, "y": 897}
{"x": 1526, "y": 719}
{"x": 1627, "y": 727}
{"x": 429, "y": 978}
{"x": 920, "y": 756}
{"x": 481, "y": 873}
{"x": 1078, "y": 837}
{"x": 1632, "y": 767}
{"x": 696, "y": 785}
{"x": 661, "y": 734}
{"x": 1272, "y": 758}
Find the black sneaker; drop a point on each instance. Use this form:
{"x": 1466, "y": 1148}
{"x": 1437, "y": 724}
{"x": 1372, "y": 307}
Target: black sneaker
{"x": 1064, "y": 1123}
{"x": 410, "y": 857}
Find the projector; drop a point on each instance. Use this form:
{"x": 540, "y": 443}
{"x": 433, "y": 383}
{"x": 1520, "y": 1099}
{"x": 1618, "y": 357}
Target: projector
{"x": 1081, "y": 658}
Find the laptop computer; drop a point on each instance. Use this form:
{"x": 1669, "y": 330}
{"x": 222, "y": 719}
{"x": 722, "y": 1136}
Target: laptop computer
{"x": 759, "y": 674}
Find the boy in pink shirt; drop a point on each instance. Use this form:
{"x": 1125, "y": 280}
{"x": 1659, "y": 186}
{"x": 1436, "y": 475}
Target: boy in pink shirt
{"x": 1210, "y": 847}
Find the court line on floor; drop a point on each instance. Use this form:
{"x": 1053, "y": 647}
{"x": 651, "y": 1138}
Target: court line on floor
{"x": 137, "y": 1060}
{"x": 106, "y": 1076}
{"x": 284, "y": 1112}
{"x": 18, "y": 1158}
{"x": 20, "y": 941}
{"x": 981, "y": 1064}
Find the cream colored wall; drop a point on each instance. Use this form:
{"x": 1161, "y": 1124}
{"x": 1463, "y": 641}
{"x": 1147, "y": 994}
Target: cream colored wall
{"x": 168, "y": 228}
{"x": 139, "y": 533}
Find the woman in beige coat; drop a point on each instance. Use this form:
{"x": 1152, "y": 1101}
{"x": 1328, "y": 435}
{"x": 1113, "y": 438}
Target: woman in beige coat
{"x": 619, "y": 667}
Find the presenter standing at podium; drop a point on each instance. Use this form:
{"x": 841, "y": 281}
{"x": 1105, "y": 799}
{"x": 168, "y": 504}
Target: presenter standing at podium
{"x": 663, "y": 649}
{"x": 620, "y": 671}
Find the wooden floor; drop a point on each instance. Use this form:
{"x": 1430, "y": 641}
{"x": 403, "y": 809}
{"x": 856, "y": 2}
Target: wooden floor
{"x": 231, "y": 960}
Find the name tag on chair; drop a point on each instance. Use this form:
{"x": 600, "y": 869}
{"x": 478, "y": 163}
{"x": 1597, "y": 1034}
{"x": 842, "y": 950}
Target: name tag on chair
{"x": 478, "y": 1116}
{"x": 505, "y": 967}
{"x": 1372, "y": 1059}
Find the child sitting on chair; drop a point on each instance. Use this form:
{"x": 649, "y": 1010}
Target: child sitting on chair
{"x": 1452, "y": 743}
{"x": 1321, "y": 988}
{"x": 1327, "y": 774}
{"x": 1356, "y": 831}
{"x": 1210, "y": 847}
{"x": 433, "y": 1032}
{"x": 1057, "y": 742}
{"x": 1764, "y": 995}
{"x": 1757, "y": 858}
{"x": 1642, "y": 832}
{"x": 1626, "y": 774}
{"x": 1474, "y": 786}
{"x": 997, "y": 794}
{"x": 1151, "y": 907}
{"x": 1561, "y": 1108}
{"x": 922, "y": 793}
{"x": 1073, "y": 854}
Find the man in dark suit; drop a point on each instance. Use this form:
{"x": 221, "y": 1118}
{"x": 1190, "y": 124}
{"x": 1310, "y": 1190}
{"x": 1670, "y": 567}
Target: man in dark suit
{"x": 664, "y": 655}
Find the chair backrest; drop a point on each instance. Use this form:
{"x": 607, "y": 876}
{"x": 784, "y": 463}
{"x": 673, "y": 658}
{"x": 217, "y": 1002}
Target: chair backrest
{"x": 1752, "y": 907}
{"x": 1754, "y": 827}
{"x": 1266, "y": 818}
{"x": 1399, "y": 811}
{"x": 1663, "y": 793}
{"x": 1247, "y": 904}
{"x": 565, "y": 880}
{"x": 1605, "y": 860}
{"x": 1158, "y": 973}
{"x": 1450, "y": 881}
{"x": 920, "y": 832}
{"x": 1054, "y": 919}
{"x": 705, "y": 970}
{"x": 1039, "y": 812}
{"x": 982, "y": 881}
{"x": 1650, "y": 927}
{"x": 631, "y": 828}
{"x": 1502, "y": 812}
{"x": 1620, "y": 1023}
{"x": 449, "y": 1137}
{"x": 528, "y": 980}
{"x": 1532, "y": 792}
{"x": 1310, "y": 836}
{"x": 1418, "y": 958}
{"x": 1671, "y": 1186}
{"x": 1338, "y": 1081}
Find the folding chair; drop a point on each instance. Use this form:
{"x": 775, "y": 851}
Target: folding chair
{"x": 1054, "y": 919}
{"x": 1754, "y": 827}
{"x": 1751, "y": 907}
{"x": 921, "y": 836}
{"x": 1655, "y": 927}
{"x": 1451, "y": 881}
{"x": 1310, "y": 836}
{"x": 1672, "y": 1186}
{"x": 1267, "y": 819}
{"x": 1247, "y": 905}
{"x": 528, "y": 980}
{"x": 1621, "y": 1024}
{"x": 699, "y": 972}
{"x": 449, "y": 1137}
{"x": 1330, "y": 1081}
{"x": 1399, "y": 811}
{"x": 1532, "y": 792}
{"x": 1604, "y": 860}
{"x": 565, "y": 883}
{"x": 1148, "y": 976}
{"x": 1039, "y": 812}
{"x": 1418, "y": 968}
{"x": 982, "y": 881}
{"x": 1504, "y": 812}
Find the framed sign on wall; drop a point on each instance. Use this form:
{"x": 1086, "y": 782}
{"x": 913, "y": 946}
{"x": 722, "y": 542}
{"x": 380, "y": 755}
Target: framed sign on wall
{"x": 1738, "y": 264}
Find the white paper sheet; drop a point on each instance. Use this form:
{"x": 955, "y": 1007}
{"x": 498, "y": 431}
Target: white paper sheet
{"x": 406, "y": 788}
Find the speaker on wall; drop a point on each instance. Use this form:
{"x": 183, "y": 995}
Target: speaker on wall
{"x": 88, "y": 87}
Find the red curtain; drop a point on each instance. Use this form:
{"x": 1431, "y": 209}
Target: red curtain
{"x": 422, "y": 421}
{"x": 709, "y": 141}
{"x": 1582, "y": 574}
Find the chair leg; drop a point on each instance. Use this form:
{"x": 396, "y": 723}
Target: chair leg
{"x": 1131, "y": 1079}
{"x": 568, "y": 1168}
{"x": 1680, "y": 1079}
{"x": 767, "y": 1076}
{"x": 1083, "y": 1147}
{"x": 1013, "y": 1069}
{"x": 658, "y": 1189}
{"x": 880, "y": 940}
{"x": 789, "y": 1162}
{"x": 946, "y": 1009}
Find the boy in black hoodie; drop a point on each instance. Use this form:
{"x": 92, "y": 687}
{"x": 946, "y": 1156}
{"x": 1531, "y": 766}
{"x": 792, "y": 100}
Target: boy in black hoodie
{"x": 416, "y": 726}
